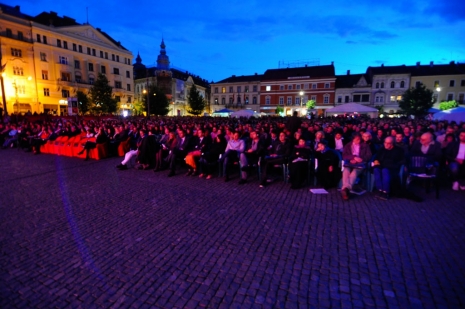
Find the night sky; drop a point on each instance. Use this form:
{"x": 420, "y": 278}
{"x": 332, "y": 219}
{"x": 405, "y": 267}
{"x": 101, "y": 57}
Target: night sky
{"x": 216, "y": 39}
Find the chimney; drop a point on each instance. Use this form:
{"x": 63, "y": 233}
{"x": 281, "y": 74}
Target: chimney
{"x": 418, "y": 64}
{"x": 382, "y": 65}
{"x": 17, "y": 8}
{"x": 431, "y": 64}
{"x": 332, "y": 62}
{"x": 256, "y": 74}
{"x": 348, "y": 72}
{"x": 234, "y": 76}
{"x": 452, "y": 62}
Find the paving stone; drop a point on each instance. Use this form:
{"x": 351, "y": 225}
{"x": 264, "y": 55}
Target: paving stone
{"x": 96, "y": 236}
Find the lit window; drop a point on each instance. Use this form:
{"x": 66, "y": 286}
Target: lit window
{"x": 223, "y": 89}
{"x": 268, "y": 88}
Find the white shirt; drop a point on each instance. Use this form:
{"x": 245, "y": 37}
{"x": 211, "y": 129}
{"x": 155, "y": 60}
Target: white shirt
{"x": 461, "y": 153}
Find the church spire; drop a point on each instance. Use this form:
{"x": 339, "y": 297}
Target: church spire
{"x": 163, "y": 61}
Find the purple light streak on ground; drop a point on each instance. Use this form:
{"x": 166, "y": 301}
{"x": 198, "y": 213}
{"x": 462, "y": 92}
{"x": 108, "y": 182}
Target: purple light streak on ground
{"x": 83, "y": 250}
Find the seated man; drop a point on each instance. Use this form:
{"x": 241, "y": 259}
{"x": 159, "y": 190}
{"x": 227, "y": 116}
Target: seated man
{"x": 233, "y": 150}
{"x": 386, "y": 166}
{"x": 279, "y": 152}
{"x": 428, "y": 148}
{"x": 11, "y": 138}
{"x": 250, "y": 156}
{"x": 179, "y": 152}
{"x": 298, "y": 166}
{"x": 455, "y": 157}
{"x": 328, "y": 172}
{"x": 355, "y": 156}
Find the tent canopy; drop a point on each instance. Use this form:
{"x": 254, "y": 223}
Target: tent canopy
{"x": 433, "y": 110}
{"x": 244, "y": 113}
{"x": 351, "y": 108}
{"x": 455, "y": 114}
{"x": 222, "y": 111}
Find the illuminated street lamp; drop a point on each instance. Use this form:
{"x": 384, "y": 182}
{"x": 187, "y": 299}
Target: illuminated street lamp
{"x": 301, "y": 99}
{"x": 438, "y": 89}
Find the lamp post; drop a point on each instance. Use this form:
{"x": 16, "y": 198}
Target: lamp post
{"x": 301, "y": 99}
{"x": 438, "y": 89}
{"x": 2, "y": 70}
{"x": 146, "y": 93}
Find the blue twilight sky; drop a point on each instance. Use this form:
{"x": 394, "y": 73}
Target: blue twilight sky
{"x": 215, "y": 39}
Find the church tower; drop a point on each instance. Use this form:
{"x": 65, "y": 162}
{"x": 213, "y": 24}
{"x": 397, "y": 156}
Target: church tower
{"x": 163, "y": 72}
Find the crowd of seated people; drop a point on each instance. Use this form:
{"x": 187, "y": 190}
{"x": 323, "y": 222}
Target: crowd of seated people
{"x": 205, "y": 144}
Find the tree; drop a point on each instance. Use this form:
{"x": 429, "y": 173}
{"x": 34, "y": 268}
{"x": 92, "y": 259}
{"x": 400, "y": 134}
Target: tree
{"x": 279, "y": 110}
{"x": 196, "y": 101}
{"x": 159, "y": 104}
{"x": 101, "y": 96}
{"x": 310, "y": 104}
{"x": 138, "y": 107}
{"x": 417, "y": 101}
{"x": 447, "y": 105}
{"x": 83, "y": 102}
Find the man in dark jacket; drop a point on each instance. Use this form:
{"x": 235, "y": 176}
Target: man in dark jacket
{"x": 387, "y": 165}
{"x": 455, "y": 157}
{"x": 293, "y": 123}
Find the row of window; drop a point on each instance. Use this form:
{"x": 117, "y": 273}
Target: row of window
{"x": 65, "y": 94}
{"x": 437, "y": 85}
{"x": 238, "y": 101}
{"x": 296, "y": 100}
{"x": 239, "y": 89}
{"x": 78, "y": 48}
{"x": 379, "y": 85}
{"x": 9, "y": 34}
{"x": 66, "y": 76}
{"x": 299, "y": 86}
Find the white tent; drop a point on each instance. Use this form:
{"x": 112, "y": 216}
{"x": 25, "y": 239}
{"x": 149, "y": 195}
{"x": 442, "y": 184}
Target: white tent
{"x": 350, "y": 108}
{"x": 244, "y": 113}
{"x": 455, "y": 114}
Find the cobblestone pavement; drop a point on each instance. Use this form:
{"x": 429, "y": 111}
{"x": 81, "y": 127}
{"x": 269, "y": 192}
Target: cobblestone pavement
{"x": 84, "y": 235}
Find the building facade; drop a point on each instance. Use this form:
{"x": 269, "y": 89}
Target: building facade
{"x": 292, "y": 88}
{"x": 447, "y": 81}
{"x": 236, "y": 92}
{"x": 60, "y": 58}
{"x": 353, "y": 88}
{"x": 175, "y": 83}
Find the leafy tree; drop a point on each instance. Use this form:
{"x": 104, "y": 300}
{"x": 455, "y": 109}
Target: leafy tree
{"x": 101, "y": 97}
{"x": 310, "y": 104}
{"x": 447, "y": 105}
{"x": 380, "y": 109}
{"x": 416, "y": 101}
{"x": 138, "y": 107}
{"x": 159, "y": 104}
{"x": 196, "y": 101}
{"x": 83, "y": 102}
{"x": 279, "y": 110}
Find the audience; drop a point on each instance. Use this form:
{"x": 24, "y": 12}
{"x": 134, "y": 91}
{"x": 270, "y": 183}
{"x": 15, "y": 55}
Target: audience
{"x": 163, "y": 142}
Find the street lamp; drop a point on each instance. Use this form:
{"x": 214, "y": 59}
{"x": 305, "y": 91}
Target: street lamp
{"x": 301, "y": 99}
{"x": 438, "y": 89}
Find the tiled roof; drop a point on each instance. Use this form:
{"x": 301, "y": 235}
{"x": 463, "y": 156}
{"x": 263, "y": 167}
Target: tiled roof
{"x": 349, "y": 81}
{"x": 312, "y": 71}
{"x": 241, "y": 79}
{"x": 419, "y": 70}
{"x": 185, "y": 75}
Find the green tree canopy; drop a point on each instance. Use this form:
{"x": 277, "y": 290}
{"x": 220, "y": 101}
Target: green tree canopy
{"x": 279, "y": 110}
{"x": 101, "y": 97}
{"x": 196, "y": 101}
{"x": 310, "y": 104}
{"x": 159, "y": 104}
{"x": 447, "y": 105}
{"x": 417, "y": 101}
{"x": 83, "y": 102}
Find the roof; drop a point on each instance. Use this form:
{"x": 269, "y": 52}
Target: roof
{"x": 312, "y": 72}
{"x": 351, "y": 108}
{"x": 185, "y": 75}
{"x": 52, "y": 19}
{"x": 14, "y": 11}
{"x": 350, "y": 81}
{"x": 242, "y": 79}
{"x": 419, "y": 70}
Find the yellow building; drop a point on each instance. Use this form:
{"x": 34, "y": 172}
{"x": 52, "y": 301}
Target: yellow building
{"x": 47, "y": 59}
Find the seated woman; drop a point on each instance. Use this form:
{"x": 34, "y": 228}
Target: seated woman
{"x": 327, "y": 172}
{"x": 201, "y": 145}
{"x": 208, "y": 159}
{"x": 167, "y": 143}
{"x": 39, "y": 140}
{"x": 100, "y": 138}
{"x": 298, "y": 168}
